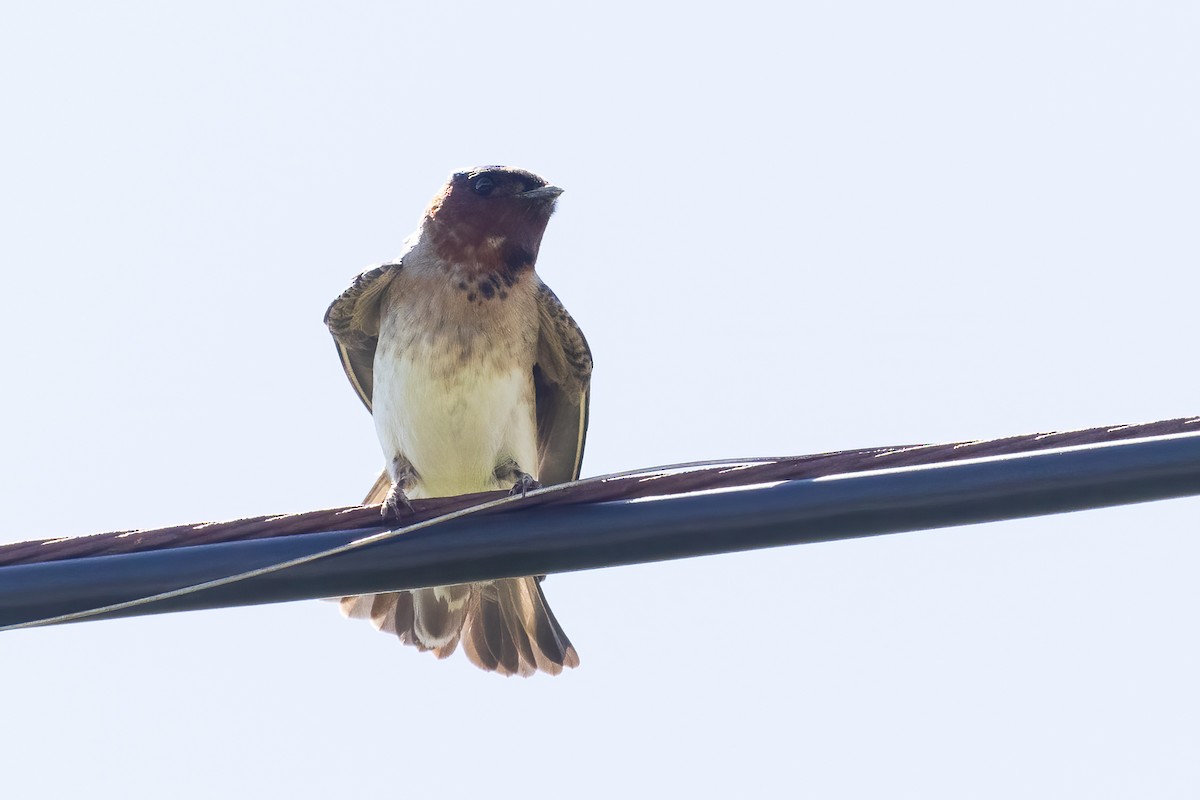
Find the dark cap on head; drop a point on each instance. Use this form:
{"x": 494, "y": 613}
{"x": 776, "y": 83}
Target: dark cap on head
{"x": 494, "y": 183}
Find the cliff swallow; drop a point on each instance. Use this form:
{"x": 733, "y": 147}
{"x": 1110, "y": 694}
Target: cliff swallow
{"x": 478, "y": 379}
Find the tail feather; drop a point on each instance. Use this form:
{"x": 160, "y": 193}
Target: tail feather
{"x": 548, "y": 635}
{"x": 438, "y": 614}
{"x": 504, "y": 626}
{"x": 514, "y": 640}
{"x": 397, "y": 614}
{"x": 495, "y": 634}
{"x": 390, "y": 613}
{"x": 474, "y": 639}
{"x": 379, "y": 490}
{"x": 518, "y": 622}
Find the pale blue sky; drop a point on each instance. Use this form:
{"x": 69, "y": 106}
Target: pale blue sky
{"x": 786, "y": 230}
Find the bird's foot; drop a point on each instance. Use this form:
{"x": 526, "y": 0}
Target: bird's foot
{"x": 396, "y": 504}
{"x": 509, "y": 470}
{"x": 524, "y": 483}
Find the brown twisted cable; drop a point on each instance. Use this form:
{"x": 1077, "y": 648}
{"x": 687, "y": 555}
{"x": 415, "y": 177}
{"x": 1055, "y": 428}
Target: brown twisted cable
{"x": 646, "y": 483}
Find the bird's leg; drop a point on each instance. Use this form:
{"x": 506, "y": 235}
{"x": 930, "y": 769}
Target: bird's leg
{"x": 396, "y": 504}
{"x": 509, "y": 470}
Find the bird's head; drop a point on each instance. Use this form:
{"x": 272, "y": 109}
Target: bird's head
{"x": 491, "y": 219}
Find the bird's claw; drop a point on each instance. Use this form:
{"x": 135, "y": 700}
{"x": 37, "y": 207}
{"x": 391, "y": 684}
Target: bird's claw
{"x": 396, "y": 505}
{"x": 524, "y": 483}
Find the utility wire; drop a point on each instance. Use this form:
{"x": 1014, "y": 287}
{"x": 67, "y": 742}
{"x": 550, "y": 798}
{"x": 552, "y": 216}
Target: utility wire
{"x": 542, "y": 537}
{"x": 374, "y": 538}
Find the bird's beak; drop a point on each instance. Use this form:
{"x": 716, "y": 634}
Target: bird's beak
{"x": 544, "y": 193}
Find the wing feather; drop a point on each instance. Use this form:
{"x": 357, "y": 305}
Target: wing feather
{"x": 562, "y": 380}
{"x": 353, "y": 319}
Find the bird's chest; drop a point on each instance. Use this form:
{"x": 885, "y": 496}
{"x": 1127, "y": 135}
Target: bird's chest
{"x": 454, "y": 391}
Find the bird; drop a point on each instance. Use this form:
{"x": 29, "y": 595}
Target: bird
{"x": 478, "y": 379}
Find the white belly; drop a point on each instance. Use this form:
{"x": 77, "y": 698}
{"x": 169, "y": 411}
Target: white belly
{"x": 456, "y": 425}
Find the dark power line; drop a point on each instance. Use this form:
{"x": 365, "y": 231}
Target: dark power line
{"x": 558, "y": 532}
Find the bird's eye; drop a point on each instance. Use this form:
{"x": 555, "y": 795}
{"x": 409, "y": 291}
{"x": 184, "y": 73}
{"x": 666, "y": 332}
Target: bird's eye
{"x": 484, "y": 186}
